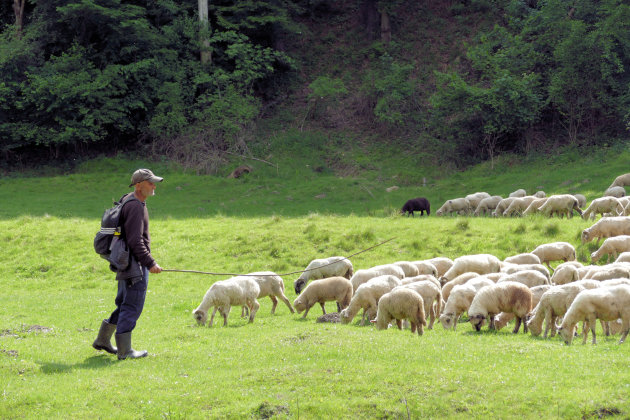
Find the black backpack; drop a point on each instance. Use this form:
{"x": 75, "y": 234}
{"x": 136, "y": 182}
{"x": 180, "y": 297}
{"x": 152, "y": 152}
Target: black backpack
{"x": 108, "y": 242}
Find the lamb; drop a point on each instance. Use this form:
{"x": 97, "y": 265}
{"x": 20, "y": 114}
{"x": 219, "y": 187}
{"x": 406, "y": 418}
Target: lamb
{"x": 615, "y": 192}
{"x": 524, "y": 258}
{"x": 621, "y": 181}
{"x": 561, "y": 204}
{"x": 420, "y": 204}
{"x": 507, "y": 296}
{"x": 431, "y": 296}
{"x": 555, "y": 251}
{"x": 581, "y": 200}
{"x": 513, "y": 268}
{"x": 477, "y": 263}
{"x": 607, "y": 227}
{"x": 271, "y": 285}
{"x": 401, "y": 303}
{"x": 443, "y": 264}
{"x": 475, "y": 199}
{"x": 239, "y": 290}
{"x": 605, "y": 303}
{"x": 321, "y": 291}
{"x": 612, "y": 246}
{"x": 322, "y": 268}
{"x": 459, "y": 301}
{"x": 504, "y": 318}
{"x": 518, "y": 205}
{"x": 459, "y": 280}
{"x": 603, "y": 205}
{"x": 425, "y": 267}
{"x": 456, "y": 205}
{"x": 534, "y": 206}
{"x": 529, "y": 278}
{"x": 487, "y": 205}
{"x": 363, "y": 275}
{"x": 518, "y": 193}
{"x": 564, "y": 274}
{"x": 502, "y": 206}
{"x": 409, "y": 268}
{"x": 366, "y": 297}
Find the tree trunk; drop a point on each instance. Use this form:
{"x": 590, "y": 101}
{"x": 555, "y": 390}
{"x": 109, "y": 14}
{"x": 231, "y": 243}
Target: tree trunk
{"x": 18, "y": 9}
{"x": 206, "y": 52}
{"x": 370, "y": 17}
{"x": 386, "y": 29}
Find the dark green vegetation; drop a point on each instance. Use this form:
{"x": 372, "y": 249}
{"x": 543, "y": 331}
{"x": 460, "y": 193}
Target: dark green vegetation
{"x": 451, "y": 83}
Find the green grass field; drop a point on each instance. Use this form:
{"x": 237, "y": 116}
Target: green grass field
{"x": 56, "y": 291}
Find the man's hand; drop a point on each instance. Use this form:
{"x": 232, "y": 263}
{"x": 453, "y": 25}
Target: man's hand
{"x": 155, "y": 269}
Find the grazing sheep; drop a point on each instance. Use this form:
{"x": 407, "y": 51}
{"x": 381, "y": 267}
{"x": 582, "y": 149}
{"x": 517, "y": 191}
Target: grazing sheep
{"x": 561, "y": 204}
{"x": 475, "y": 199}
{"x": 337, "y": 289}
{"x": 431, "y": 296}
{"x": 461, "y": 279}
{"x": 409, "y": 268}
{"x": 421, "y": 277}
{"x": 529, "y": 278}
{"x": 420, "y": 204}
{"x": 540, "y": 194}
{"x": 581, "y": 200}
{"x": 504, "y": 318}
{"x": 459, "y": 301}
{"x": 615, "y": 192}
{"x": 491, "y": 300}
{"x": 607, "y": 227}
{"x": 623, "y": 257}
{"x": 477, "y": 263}
{"x": 518, "y": 193}
{"x": 235, "y": 291}
{"x": 442, "y": 264}
{"x": 456, "y": 205}
{"x": 401, "y": 303}
{"x": 518, "y": 205}
{"x": 366, "y": 297}
{"x": 555, "y": 251}
{"x": 612, "y": 246}
{"x": 487, "y": 205}
{"x": 513, "y": 268}
{"x": 271, "y": 285}
{"x": 621, "y": 181}
{"x": 601, "y": 206}
{"x": 425, "y": 267}
{"x": 604, "y": 303}
{"x": 392, "y": 269}
{"x": 363, "y": 275}
{"x": 322, "y": 268}
{"x": 524, "y": 258}
{"x": 608, "y": 271}
{"x": 502, "y": 206}
{"x": 564, "y": 274}
{"x": 534, "y": 206}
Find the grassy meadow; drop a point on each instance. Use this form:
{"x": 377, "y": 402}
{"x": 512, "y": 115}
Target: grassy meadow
{"x": 56, "y": 291}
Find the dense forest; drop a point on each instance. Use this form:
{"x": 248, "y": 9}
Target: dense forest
{"x": 464, "y": 80}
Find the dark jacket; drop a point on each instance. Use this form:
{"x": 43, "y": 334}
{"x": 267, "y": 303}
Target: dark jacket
{"x": 134, "y": 220}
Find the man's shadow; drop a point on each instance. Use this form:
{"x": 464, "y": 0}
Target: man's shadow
{"x": 94, "y": 362}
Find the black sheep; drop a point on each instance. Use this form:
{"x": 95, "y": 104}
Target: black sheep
{"x": 420, "y": 204}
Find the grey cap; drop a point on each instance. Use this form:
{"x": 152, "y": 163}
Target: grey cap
{"x": 144, "y": 175}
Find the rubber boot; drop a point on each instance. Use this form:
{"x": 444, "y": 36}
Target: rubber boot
{"x": 103, "y": 340}
{"x": 123, "y": 341}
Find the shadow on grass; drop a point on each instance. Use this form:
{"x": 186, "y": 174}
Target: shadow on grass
{"x": 93, "y": 362}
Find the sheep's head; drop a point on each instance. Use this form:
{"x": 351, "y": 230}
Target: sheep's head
{"x": 447, "y": 320}
{"x": 299, "y": 285}
{"x": 344, "y": 316}
{"x": 200, "y": 316}
{"x": 477, "y": 321}
{"x": 594, "y": 257}
{"x": 443, "y": 280}
{"x": 299, "y": 304}
{"x": 565, "y": 333}
{"x": 534, "y": 329}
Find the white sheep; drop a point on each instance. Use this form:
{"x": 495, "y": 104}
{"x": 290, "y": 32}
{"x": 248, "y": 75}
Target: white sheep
{"x": 615, "y": 192}
{"x": 392, "y": 269}
{"x": 431, "y": 296}
{"x": 271, "y": 285}
{"x": 425, "y": 267}
{"x": 502, "y": 206}
{"x": 508, "y": 268}
{"x": 421, "y": 277}
{"x": 623, "y": 257}
{"x": 461, "y": 279}
{"x": 605, "y": 228}
{"x": 476, "y": 263}
{"x": 534, "y": 206}
{"x": 322, "y": 268}
{"x": 612, "y": 246}
{"x": 564, "y": 274}
{"x": 363, "y": 275}
{"x": 507, "y": 296}
{"x": 409, "y": 268}
{"x": 366, "y": 297}
{"x": 504, "y": 318}
{"x": 442, "y": 264}
{"x": 560, "y": 204}
{"x": 540, "y": 194}
{"x": 621, "y": 181}
{"x": 399, "y": 304}
{"x": 529, "y": 278}
{"x": 222, "y": 295}
{"x": 320, "y": 291}
{"x": 475, "y": 199}
{"x": 459, "y": 300}
{"x": 581, "y": 200}
{"x": 456, "y": 205}
{"x": 608, "y": 271}
{"x": 518, "y": 193}
{"x": 487, "y": 205}
{"x": 555, "y": 251}
{"x": 601, "y": 206}
{"x": 604, "y": 303}
{"x": 518, "y": 205}
{"x": 524, "y": 258}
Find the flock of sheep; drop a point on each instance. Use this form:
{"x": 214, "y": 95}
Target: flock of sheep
{"x": 523, "y": 287}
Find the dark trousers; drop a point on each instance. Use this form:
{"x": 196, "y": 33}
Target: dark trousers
{"x": 129, "y": 302}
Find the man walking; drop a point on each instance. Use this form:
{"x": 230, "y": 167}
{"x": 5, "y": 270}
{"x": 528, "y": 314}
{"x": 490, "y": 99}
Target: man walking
{"x": 133, "y": 281}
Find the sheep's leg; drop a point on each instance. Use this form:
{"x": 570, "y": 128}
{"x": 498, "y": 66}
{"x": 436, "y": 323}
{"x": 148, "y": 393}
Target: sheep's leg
{"x": 254, "y": 305}
{"x": 244, "y": 311}
{"x": 585, "y": 328}
{"x": 323, "y": 308}
{"x": 363, "y": 318}
{"x": 274, "y": 303}
{"x": 399, "y": 324}
{"x": 214, "y": 311}
{"x": 338, "y": 307}
{"x": 491, "y": 325}
{"x": 548, "y": 320}
{"x": 554, "y": 319}
{"x": 306, "y": 311}
{"x": 593, "y": 325}
{"x": 625, "y": 326}
{"x": 605, "y": 327}
{"x": 413, "y": 328}
{"x": 455, "y": 322}
{"x": 286, "y": 302}
{"x": 517, "y": 325}
{"x": 225, "y": 311}
{"x": 524, "y": 321}
{"x": 420, "y": 328}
